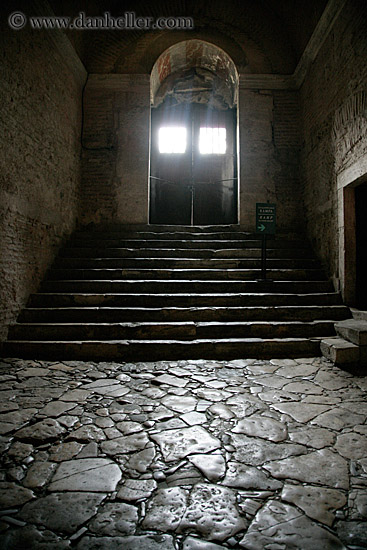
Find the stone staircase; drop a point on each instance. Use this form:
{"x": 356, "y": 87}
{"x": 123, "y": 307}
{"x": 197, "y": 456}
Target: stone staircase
{"x": 169, "y": 292}
{"x": 348, "y": 349}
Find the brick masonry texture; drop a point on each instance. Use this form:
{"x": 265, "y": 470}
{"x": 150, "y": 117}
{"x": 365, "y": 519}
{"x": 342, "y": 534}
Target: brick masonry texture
{"x": 39, "y": 160}
{"x": 269, "y": 154}
{"x": 116, "y": 153}
{"x": 116, "y": 150}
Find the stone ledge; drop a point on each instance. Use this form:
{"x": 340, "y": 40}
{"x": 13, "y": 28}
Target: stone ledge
{"x": 358, "y": 314}
{"x": 339, "y": 351}
{"x": 353, "y": 330}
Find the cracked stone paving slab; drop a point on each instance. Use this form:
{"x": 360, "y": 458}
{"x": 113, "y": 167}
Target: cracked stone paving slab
{"x": 213, "y": 466}
{"x": 243, "y": 476}
{"x": 146, "y": 542}
{"x": 89, "y": 474}
{"x": 204, "y": 513}
{"x": 176, "y": 444}
{"x": 62, "y": 511}
{"x": 324, "y": 467}
{"x": 276, "y": 523}
{"x": 316, "y": 502}
{"x": 266, "y": 428}
{"x": 182, "y": 455}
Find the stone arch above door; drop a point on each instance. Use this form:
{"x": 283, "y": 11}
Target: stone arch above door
{"x": 195, "y": 71}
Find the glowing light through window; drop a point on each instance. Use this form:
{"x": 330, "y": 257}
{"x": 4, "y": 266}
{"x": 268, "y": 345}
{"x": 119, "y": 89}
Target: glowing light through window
{"x": 212, "y": 141}
{"x": 172, "y": 139}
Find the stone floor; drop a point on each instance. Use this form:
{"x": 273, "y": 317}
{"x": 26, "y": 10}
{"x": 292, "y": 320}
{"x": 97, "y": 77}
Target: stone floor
{"x": 187, "y": 455}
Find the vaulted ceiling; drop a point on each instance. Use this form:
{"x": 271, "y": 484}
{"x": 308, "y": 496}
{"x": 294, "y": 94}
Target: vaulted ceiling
{"x": 261, "y": 36}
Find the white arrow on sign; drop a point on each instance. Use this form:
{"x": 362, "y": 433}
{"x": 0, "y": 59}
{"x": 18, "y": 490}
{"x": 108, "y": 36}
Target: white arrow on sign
{"x": 261, "y": 227}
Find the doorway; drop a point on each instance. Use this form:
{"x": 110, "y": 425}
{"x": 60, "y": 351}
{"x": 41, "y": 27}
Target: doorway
{"x": 193, "y": 151}
{"x": 193, "y": 165}
{"x": 361, "y": 242}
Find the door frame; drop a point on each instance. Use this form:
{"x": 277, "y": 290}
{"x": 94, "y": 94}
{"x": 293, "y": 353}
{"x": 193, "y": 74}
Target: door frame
{"x": 347, "y": 181}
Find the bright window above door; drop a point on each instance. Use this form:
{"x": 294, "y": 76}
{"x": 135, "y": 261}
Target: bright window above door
{"x": 212, "y": 141}
{"x": 172, "y": 139}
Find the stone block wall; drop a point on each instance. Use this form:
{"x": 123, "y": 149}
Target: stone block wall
{"x": 334, "y": 113}
{"x": 40, "y": 118}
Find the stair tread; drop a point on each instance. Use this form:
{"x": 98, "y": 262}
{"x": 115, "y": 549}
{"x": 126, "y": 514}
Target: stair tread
{"x": 216, "y": 294}
{"x": 171, "y": 341}
{"x": 177, "y": 249}
{"x": 353, "y": 330}
{"x": 188, "y": 259}
{"x": 197, "y": 269}
{"x": 175, "y": 323}
{"x": 155, "y": 286}
{"x": 269, "y": 282}
{"x": 120, "y": 308}
{"x": 338, "y": 342}
{"x": 190, "y": 264}
{"x": 354, "y": 324}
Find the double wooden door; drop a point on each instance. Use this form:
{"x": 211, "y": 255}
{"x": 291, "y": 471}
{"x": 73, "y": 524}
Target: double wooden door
{"x": 193, "y": 173}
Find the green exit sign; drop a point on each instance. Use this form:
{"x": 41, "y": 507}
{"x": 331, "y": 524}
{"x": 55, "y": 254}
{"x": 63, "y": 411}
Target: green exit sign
{"x": 265, "y": 218}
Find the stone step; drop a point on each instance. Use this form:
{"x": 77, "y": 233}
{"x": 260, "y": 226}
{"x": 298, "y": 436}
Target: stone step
{"x": 100, "y": 251}
{"x": 169, "y": 330}
{"x": 177, "y": 232}
{"x": 153, "y": 350}
{"x": 340, "y": 351}
{"x": 162, "y": 228}
{"x": 183, "y": 299}
{"x": 98, "y": 229}
{"x": 183, "y": 285}
{"x": 359, "y": 314}
{"x": 183, "y": 263}
{"x": 353, "y": 330}
{"x": 101, "y": 229}
{"x": 170, "y": 242}
{"x": 174, "y": 236}
{"x": 114, "y": 314}
{"x": 180, "y": 273}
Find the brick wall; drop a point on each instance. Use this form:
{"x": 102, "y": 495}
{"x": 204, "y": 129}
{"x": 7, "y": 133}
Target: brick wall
{"x": 115, "y": 149}
{"x": 269, "y": 128}
{"x": 333, "y": 99}
{"x": 40, "y": 118}
{"x": 116, "y": 152}
{"x": 287, "y": 142}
